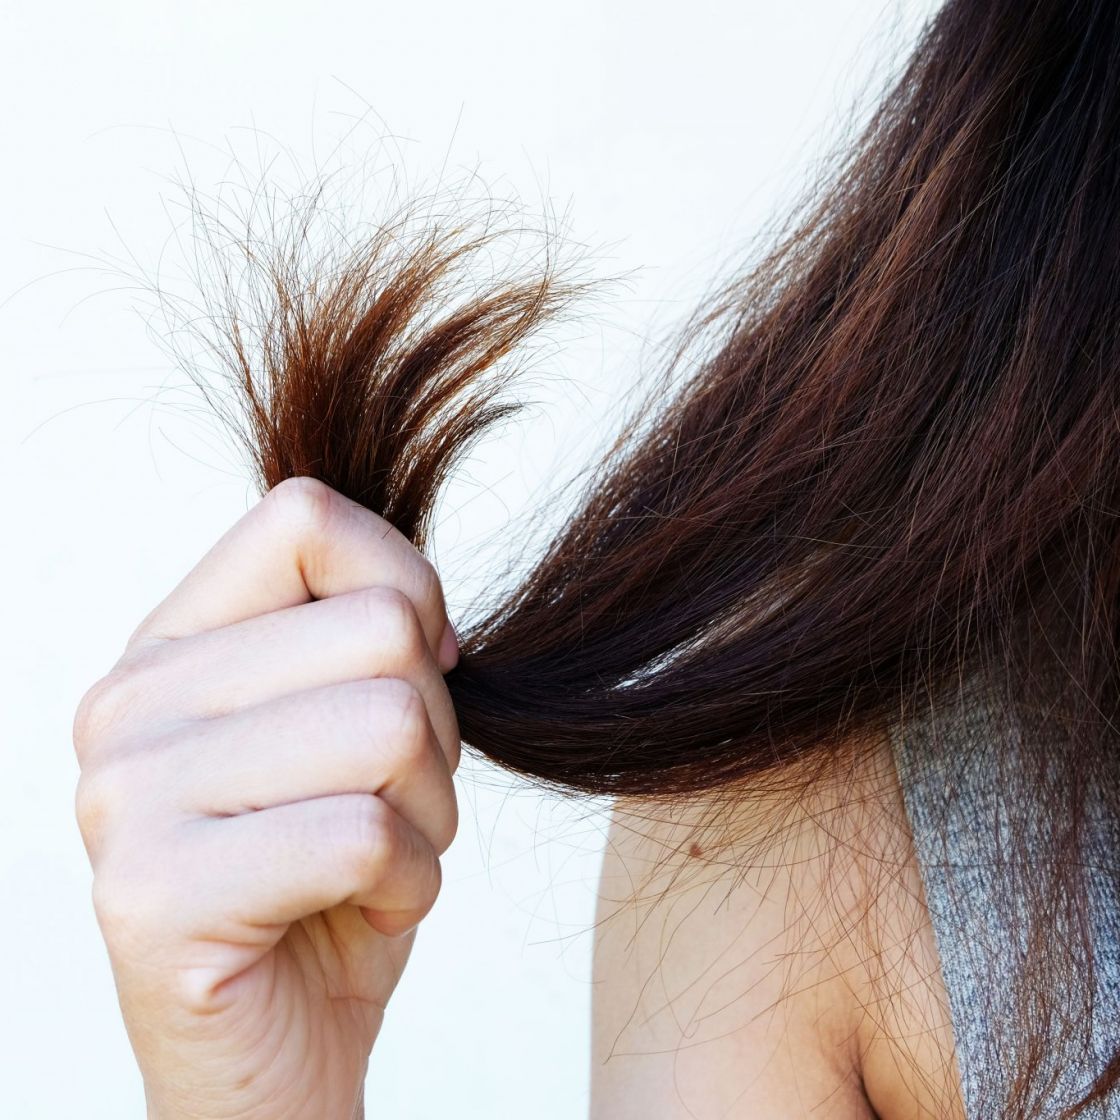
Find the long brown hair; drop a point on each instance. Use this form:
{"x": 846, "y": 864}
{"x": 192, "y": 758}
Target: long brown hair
{"x": 880, "y": 463}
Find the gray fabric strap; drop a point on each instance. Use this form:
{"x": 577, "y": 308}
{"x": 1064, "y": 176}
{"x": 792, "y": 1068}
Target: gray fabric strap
{"x": 959, "y": 771}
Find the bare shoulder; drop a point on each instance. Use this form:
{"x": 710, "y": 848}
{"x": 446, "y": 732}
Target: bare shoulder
{"x": 770, "y": 955}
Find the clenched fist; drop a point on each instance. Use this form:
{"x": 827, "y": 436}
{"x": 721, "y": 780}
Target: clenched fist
{"x": 265, "y": 792}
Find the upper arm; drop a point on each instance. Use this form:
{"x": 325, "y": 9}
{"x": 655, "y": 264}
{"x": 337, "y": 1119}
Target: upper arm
{"x": 760, "y": 960}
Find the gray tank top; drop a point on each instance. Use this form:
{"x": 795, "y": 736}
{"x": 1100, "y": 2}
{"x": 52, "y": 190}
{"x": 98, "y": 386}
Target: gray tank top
{"x": 957, "y": 766}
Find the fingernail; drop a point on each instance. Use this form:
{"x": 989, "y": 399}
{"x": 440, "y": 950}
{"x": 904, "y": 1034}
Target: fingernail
{"x": 448, "y": 648}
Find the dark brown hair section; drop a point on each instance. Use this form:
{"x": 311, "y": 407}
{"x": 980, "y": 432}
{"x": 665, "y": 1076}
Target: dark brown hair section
{"x": 888, "y": 461}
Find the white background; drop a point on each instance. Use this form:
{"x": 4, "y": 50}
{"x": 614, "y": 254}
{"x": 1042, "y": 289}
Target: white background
{"x": 668, "y": 133}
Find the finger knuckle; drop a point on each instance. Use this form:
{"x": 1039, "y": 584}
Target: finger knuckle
{"x": 446, "y": 826}
{"x": 111, "y": 904}
{"x": 433, "y": 881}
{"x": 396, "y": 923}
{"x": 119, "y": 905}
{"x": 401, "y": 922}
{"x": 392, "y": 617}
{"x": 410, "y": 731}
{"x": 89, "y": 802}
{"x": 367, "y": 843}
{"x": 103, "y": 792}
{"x": 107, "y": 905}
{"x": 394, "y": 725}
{"x": 99, "y": 710}
{"x": 303, "y": 506}
{"x": 429, "y": 587}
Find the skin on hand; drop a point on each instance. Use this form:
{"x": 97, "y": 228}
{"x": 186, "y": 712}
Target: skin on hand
{"x": 265, "y": 792}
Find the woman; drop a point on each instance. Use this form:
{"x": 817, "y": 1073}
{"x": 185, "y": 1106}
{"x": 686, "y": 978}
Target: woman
{"x": 835, "y": 623}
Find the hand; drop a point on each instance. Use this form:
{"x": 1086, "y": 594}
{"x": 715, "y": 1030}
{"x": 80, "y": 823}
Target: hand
{"x": 266, "y": 788}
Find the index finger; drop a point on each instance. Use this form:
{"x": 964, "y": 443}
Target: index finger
{"x": 302, "y": 541}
